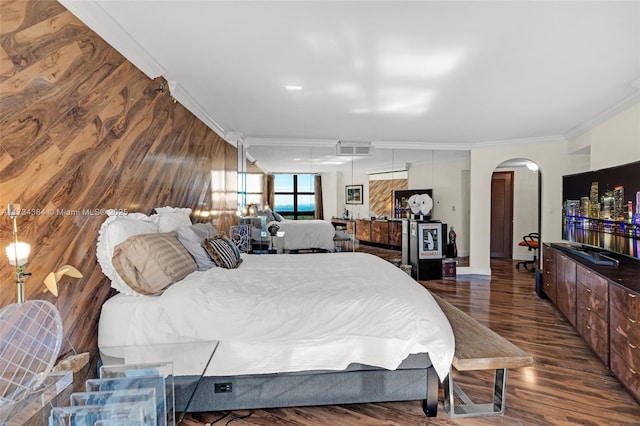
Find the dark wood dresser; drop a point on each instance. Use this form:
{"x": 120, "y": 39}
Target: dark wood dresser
{"x": 381, "y": 232}
{"x": 602, "y": 303}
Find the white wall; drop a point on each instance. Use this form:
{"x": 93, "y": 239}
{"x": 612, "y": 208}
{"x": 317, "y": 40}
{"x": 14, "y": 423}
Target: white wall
{"x": 336, "y": 194}
{"x": 617, "y": 141}
{"x": 449, "y": 182}
{"x": 329, "y": 196}
{"x": 525, "y": 209}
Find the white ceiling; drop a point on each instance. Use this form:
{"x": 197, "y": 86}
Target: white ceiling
{"x": 408, "y": 75}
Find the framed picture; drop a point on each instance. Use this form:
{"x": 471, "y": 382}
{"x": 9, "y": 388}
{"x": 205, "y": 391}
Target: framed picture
{"x": 430, "y": 238}
{"x": 353, "y": 194}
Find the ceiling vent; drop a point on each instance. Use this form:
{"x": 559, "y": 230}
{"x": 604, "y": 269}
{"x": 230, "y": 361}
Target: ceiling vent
{"x": 353, "y": 148}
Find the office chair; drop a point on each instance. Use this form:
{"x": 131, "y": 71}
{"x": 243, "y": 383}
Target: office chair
{"x": 532, "y": 241}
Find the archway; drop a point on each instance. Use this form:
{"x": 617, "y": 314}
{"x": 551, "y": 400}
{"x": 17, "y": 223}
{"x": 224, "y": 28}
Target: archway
{"x": 525, "y": 216}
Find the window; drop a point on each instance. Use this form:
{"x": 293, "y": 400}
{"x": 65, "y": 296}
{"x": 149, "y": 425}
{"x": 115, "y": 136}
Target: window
{"x": 254, "y": 188}
{"x": 253, "y": 193}
{"x": 294, "y": 196}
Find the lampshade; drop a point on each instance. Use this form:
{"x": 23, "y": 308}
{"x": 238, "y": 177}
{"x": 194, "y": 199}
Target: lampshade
{"x": 52, "y": 280}
{"x": 20, "y": 251}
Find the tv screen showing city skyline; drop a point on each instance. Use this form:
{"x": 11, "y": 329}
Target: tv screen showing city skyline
{"x": 602, "y": 208}
{"x": 576, "y": 187}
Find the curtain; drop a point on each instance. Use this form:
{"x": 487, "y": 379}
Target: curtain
{"x": 269, "y": 190}
{"x": 317, "y": 184}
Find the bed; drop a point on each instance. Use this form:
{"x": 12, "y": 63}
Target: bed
{"x": 307, "y": 234}
{"x": 305, "y": 329}
{"x": 313, "y": 234}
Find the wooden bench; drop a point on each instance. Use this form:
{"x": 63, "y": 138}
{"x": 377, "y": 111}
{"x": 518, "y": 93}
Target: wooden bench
{"x": 479, "y": 348}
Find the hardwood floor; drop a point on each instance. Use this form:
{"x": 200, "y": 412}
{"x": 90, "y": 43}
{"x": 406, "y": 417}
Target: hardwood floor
{"x": 568, "y": 385}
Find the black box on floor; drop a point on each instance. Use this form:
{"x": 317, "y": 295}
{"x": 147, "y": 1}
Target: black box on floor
{"x": 539, "y": 284}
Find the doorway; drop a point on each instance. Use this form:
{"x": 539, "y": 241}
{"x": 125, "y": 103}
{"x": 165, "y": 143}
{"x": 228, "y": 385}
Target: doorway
{"x": 502, "y": 215}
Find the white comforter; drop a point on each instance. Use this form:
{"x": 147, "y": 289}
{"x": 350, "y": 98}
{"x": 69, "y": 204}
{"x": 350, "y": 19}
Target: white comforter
{"x": 285, "y": 313}
{"x": 307, "y": 234}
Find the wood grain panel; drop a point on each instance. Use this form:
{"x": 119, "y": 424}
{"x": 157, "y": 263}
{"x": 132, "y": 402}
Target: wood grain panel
{"x": 381, "y": 194}
{"x": 81, "y": 129}
{"x": 395, "y": 233}
{"x": 380, "y": 232}
{"x": 566, "y": 287}
{"x": 363, "y": 230}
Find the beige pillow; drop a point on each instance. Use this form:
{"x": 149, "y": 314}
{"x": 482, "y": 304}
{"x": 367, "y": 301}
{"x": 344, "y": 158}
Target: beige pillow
{"x": 149, "y": 263}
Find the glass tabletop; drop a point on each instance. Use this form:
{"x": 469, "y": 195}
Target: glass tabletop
{"x": 188, "y": 362}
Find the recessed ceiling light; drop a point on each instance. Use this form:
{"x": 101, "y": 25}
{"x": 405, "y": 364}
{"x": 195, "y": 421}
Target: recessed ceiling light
{"x": 293, "y": 87}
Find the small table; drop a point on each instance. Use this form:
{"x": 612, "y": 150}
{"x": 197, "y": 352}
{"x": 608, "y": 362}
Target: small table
{"x": 35, "y": 407}
{"x": 190, "y": 361}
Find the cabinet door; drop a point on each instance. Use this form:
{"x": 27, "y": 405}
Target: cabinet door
{"x": 395, "y": 233}
{"x": 566, "y": 287}
{"x": 363, "y": 230}
{"x": 549, "y": 268}
{"x": 624, "y": 310}
{"x": 380, "y": 232}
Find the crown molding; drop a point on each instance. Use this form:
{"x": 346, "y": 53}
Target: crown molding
{"x": 292, "y": 142}
{"x": 186, "y": 100}
{"x": 234, "y": 138}
{"x": 102, "y": 23}
{"x": 521, "y": 141}
{"x": 616, "y": 108}
{"x": 440, "y": 146}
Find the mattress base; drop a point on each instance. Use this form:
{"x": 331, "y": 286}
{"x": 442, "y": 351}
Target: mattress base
{"x": 271, "y": 391}
{"x": 358, "y": 384}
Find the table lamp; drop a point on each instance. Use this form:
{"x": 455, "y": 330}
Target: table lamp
{"x": 18, "y": 253}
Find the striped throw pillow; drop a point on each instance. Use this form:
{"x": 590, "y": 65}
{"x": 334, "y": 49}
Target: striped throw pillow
{"x": 223, "y": 252}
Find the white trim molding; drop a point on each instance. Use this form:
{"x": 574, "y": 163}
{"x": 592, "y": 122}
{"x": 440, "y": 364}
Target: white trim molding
{"x": 99, "y": 20}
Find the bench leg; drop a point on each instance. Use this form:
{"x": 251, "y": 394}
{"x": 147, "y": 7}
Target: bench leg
{"x": 468, "y": 408}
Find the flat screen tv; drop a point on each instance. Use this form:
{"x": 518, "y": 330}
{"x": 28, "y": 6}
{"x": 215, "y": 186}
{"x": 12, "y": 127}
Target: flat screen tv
{"x": 601, "y": 208}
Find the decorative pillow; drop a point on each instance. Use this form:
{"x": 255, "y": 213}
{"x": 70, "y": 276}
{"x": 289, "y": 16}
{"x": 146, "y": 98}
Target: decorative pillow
{"x": 149, "y": 263}
{"x": 171, "y": 218}
{"x": 278, "y": 217}
{"x": 114, "y": 230}
{"x": 268, "y": 213}
{"x": 192, "y": 237}
{"x": 223, "y": 252}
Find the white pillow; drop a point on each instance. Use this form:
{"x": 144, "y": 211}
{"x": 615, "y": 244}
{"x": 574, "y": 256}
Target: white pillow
{"x": 192, "y": 238}
{"x": 114, "y": 230}
{"x": 169, "y": 219}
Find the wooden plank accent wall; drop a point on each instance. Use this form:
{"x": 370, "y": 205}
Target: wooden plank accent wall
{"x": 381, "y": 193}
{"x": 82, "y": 128}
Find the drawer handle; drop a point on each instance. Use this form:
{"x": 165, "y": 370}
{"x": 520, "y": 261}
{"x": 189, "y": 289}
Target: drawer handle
{"x": 632, "y": 346}
{"x": 633, "y": 296}
{"x": 632, "y": 321}
{"x": 587, "y": 308}
{"x": 588, "y": 290}
{"x": 634, "y": 372}
{"x": 588, "y": 327}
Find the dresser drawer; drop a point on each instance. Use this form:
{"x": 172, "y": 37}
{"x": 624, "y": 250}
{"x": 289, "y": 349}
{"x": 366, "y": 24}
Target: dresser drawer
{"x": 629, "y": 376}
{"x": 628, "y": 351}
{"x": 592, "y": 301}
{"x": 621, "y": 323}
{"x": 591, "y": 321}
{"x": 592, "y": 281}
{"x": 596, "y": 337}
{"x": 625, "y": 301}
